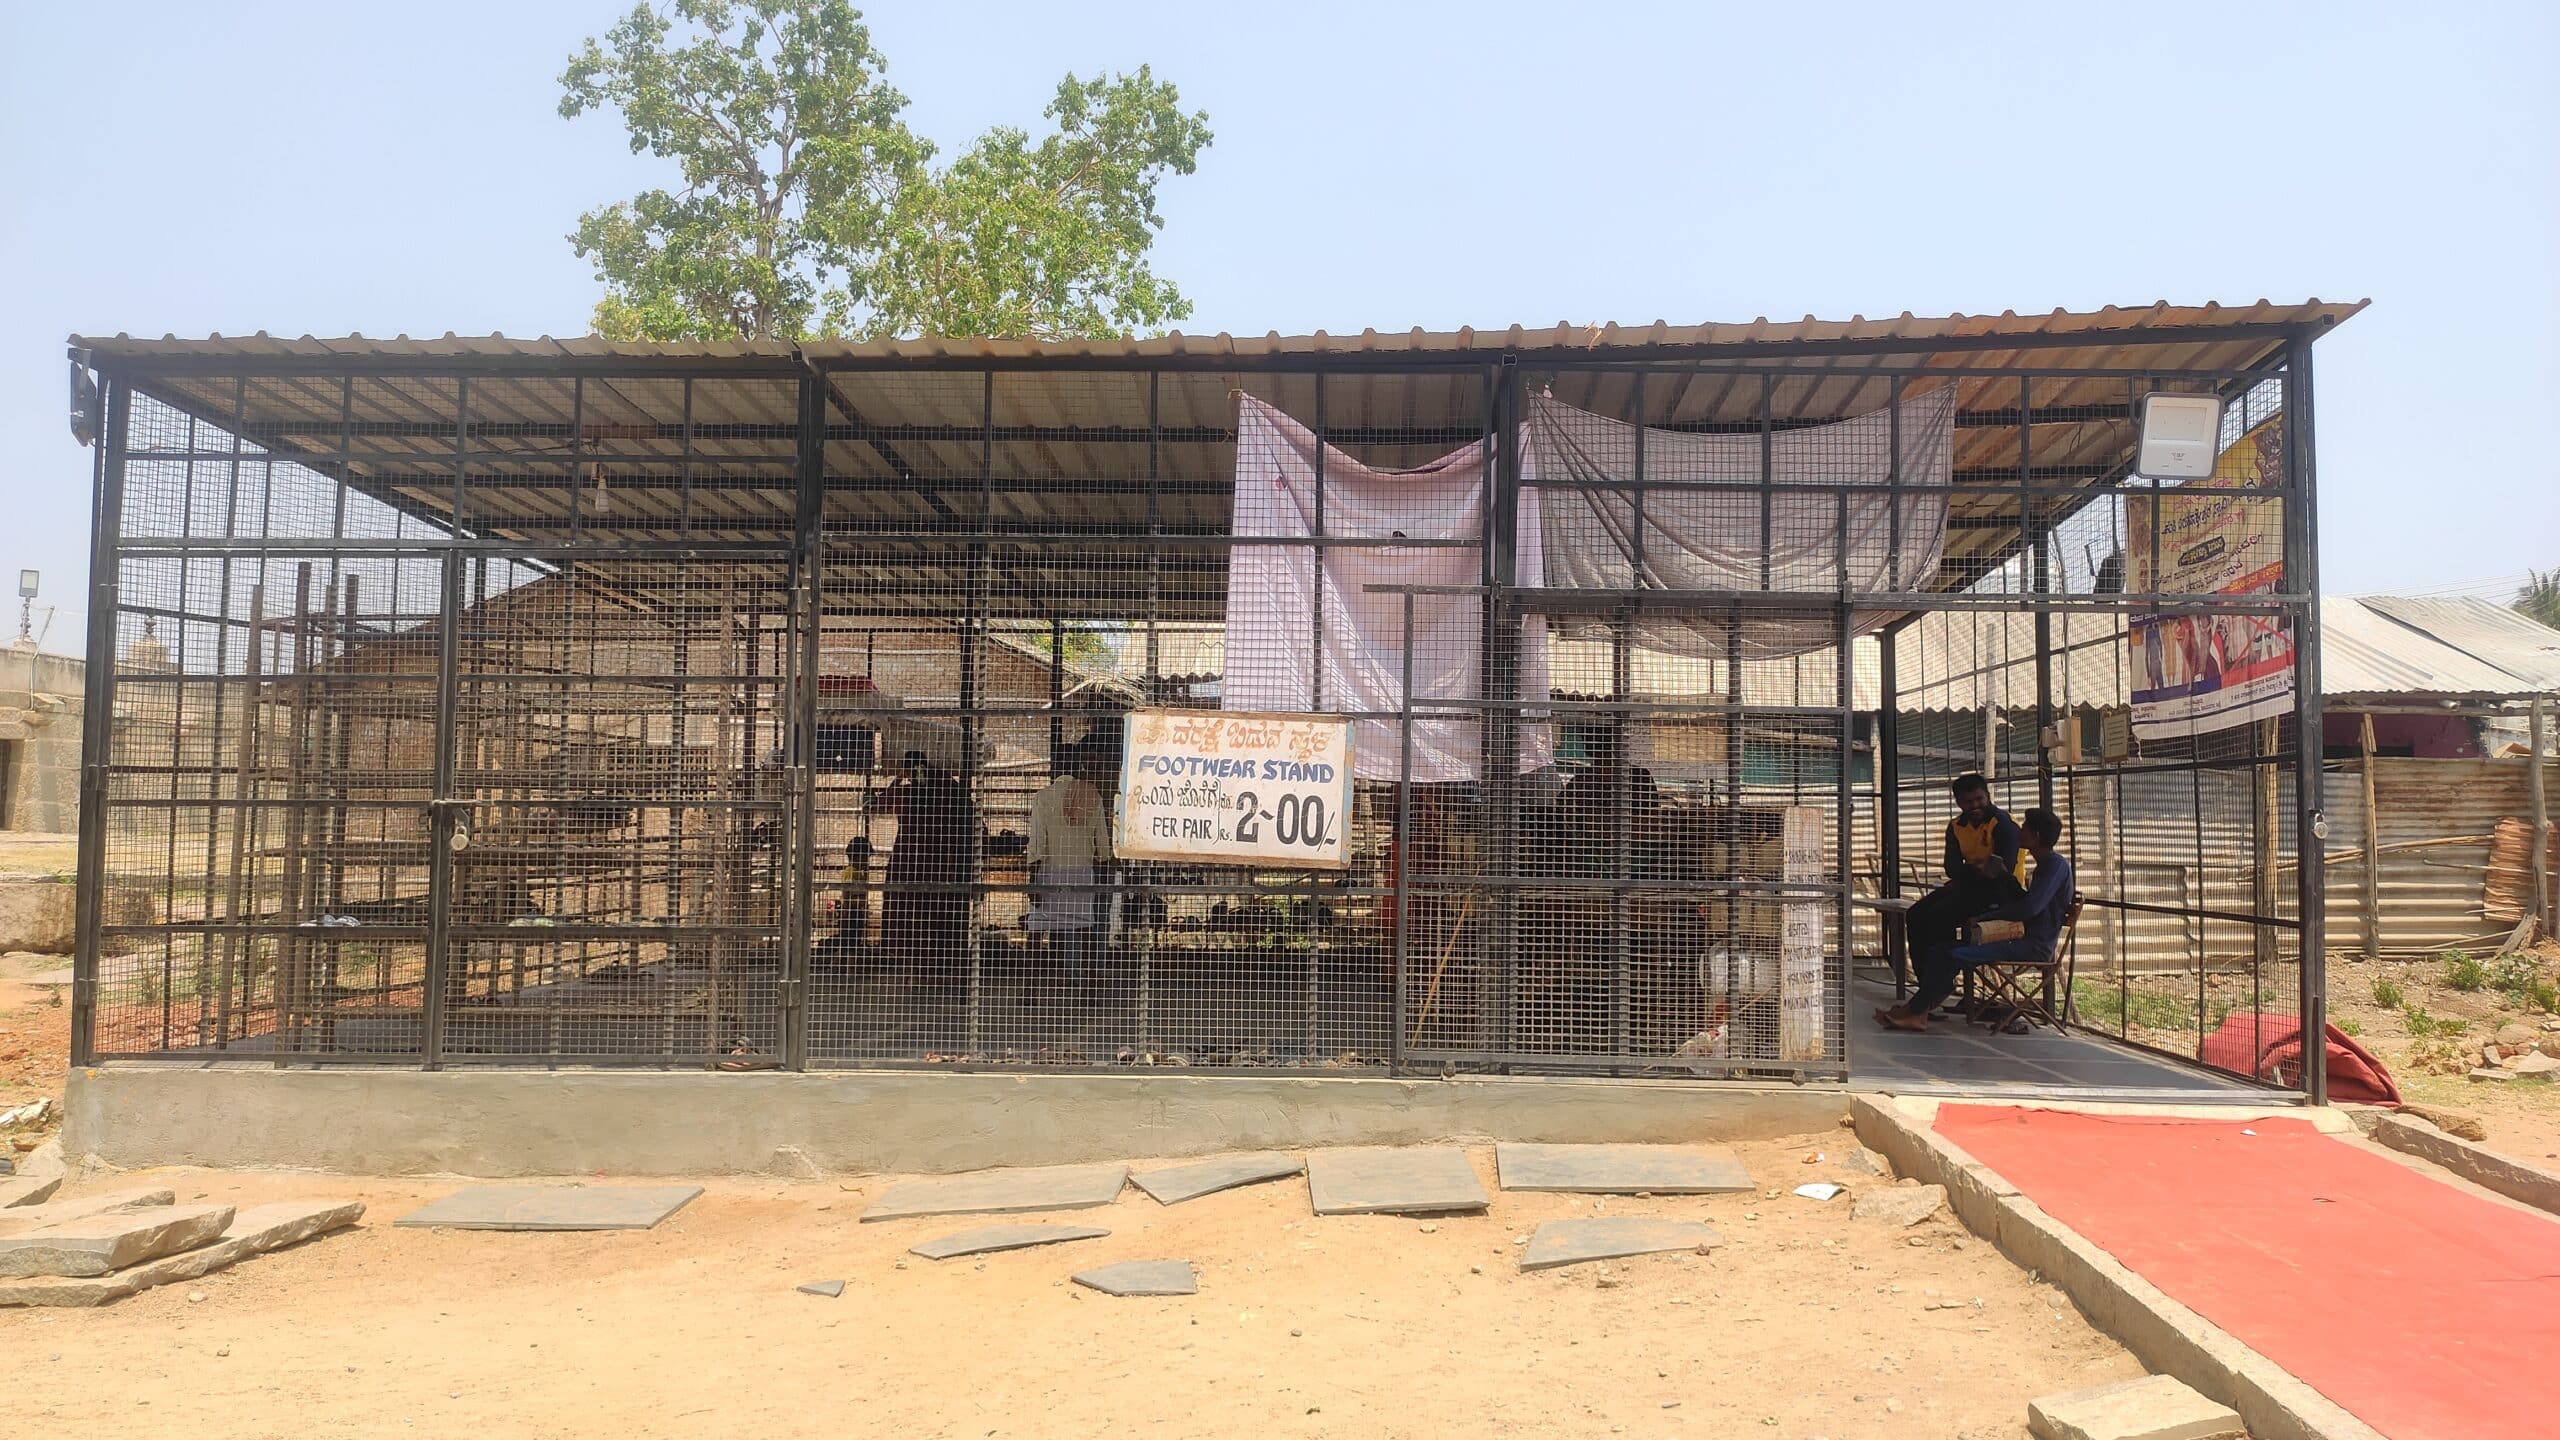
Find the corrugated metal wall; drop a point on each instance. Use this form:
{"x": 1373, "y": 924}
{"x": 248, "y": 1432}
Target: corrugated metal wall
{"x": 2436, "y": 819}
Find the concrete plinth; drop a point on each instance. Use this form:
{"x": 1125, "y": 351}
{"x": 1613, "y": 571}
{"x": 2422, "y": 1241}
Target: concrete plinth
{"x": 2154, "y": 1407}
{"x": 498, "y": 1123}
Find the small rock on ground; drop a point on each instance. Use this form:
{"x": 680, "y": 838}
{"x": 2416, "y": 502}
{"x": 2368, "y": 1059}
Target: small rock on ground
{"x": 2451, "y": 1121}
{"x": 1902, "y": 1205}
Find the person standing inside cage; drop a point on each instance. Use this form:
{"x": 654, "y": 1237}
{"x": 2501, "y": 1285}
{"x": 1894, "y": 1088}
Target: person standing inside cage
{"x": 1984, "y": 862}
{"x": 2040, "y": 912}
{"x": 924, "y": 914}
{"x": 1069, "y": 853}
{"x": 1593, "y": 825}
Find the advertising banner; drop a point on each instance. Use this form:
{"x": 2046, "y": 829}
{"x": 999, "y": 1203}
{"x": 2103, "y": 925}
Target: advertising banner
{"x": 2198, "y": 673}
{"x": 1222, "y": 787}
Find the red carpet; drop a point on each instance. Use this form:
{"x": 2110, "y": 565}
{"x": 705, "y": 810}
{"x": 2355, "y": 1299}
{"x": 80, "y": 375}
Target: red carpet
{"x": 2428, "y": 1313}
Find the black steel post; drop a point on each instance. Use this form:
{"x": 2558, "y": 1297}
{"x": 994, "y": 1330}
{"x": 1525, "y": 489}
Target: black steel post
{"x": 1057, "y": 691}
{"x": 1500, "y": 770}
{"x": 972, "y": 622}
{"x": 1155, "y": 532}
{"x": 1893, "y": 485}
{"x": 800, "y": 743}
{"x": 1635, "y": 529}
{"x": 1621, "y": 828}
{"x": 97, "y": 721}
{"x": 1844, "y": 856}
{"x": 2311, "y": 821}
{"x": 1404, "y": 849}
{"x": 1768, "y": 479}
{"x": 1888, "y": 736}
{"x": 435, "y": 1004}
{"x": 1315, "y": 564}
{"x": 2040, "y": 577}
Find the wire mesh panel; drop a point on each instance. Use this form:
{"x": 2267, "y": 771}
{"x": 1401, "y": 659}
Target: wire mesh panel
{"x": 618, "y": 883}
{"x": 2181, "y": 821}
{"x": 270, "y": 759}
{"x": 1004, "y": 581}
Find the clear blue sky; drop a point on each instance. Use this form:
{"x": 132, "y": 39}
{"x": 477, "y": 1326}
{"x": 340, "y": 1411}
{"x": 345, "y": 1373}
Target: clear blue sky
{"x": 327, "y": 168}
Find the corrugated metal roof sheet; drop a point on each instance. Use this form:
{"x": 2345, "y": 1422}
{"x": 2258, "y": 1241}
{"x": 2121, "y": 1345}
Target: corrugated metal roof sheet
{"x": 698, "y": 439}
{"x": 2364, "y": 652}
{"x": 2149, "y": 325}
{"x": 2484, "y": 631}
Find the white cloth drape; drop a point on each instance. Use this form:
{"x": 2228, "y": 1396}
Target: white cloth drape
{"x": 1703, "y": 530}
{"x": 1273, "y": 660}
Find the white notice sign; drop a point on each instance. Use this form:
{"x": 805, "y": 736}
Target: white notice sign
{"x": 1800, "y": 937}
{"x": 1222, "y": 787}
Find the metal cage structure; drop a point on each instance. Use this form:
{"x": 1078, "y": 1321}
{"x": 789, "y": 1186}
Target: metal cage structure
{"x": 494, "y": 702}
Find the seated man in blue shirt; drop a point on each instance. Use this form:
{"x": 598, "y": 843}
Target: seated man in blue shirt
{"x": 2040, "y": 911}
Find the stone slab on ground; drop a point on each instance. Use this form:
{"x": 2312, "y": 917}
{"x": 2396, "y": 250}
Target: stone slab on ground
{"x": 63, "y": 1212}
{"x": 1622, "y": 1169}
{"x": 1574, "y": 1242}
{"x": 828, "y": 1289}
{"x": 1002, "y": 1192}
{"x": 2154, "y": 1407}
{"x": 1142, "y": 1277}
{"x": 2478, "y": 1164}
{"x": 1208, "y": 1177}
{"x": 988, "y": 1239}
{"x": 40, "y": 1173}
{"x": 254, "y": 1231}
{"x": 100, "y": 1244}
{"x": 24, "y": 1190}
{"x": 1421, "y": 1180}
{"x": 552, "y": 1207}
{"x": 2461, "y": 1124}
{"x": 1900, "y": 1205}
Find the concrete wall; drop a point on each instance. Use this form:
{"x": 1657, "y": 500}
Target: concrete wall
{"x": 502, "y": 1123}
{"x": 40, "y": 721}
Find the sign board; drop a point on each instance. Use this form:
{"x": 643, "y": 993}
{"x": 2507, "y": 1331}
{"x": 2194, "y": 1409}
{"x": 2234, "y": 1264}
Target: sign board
{"x": 1224, "y": 787}
{"x": 2199, "y": 672}
{"x": 1800, "y": 997}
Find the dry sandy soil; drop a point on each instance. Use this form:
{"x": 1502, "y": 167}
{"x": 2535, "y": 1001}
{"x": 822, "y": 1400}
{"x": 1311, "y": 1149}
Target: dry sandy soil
{"x": 2522, "y": 1116}
{"x": 1806, "y": 1323}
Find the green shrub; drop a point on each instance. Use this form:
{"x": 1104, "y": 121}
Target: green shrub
{"x": 2349, "y": 1028}
{"x": 2386, "y": 993}
{"x": 2421, "y": 1024}
{"x": 2463, "y": 973}
{"x": 2518, "y": 978}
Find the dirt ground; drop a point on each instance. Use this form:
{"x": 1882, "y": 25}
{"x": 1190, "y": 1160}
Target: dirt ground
{"x": 2430, "y": 1037}
{"x": 35, "y": 1029}
{"x": 1806, "y": 1323}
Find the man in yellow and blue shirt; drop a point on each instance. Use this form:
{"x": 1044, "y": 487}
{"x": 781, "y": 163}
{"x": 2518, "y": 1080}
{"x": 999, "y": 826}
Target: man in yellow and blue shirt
{"x": 1985, "y": 864}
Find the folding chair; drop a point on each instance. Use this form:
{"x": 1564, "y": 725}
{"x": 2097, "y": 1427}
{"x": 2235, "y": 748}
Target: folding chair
{"x": 2036, "y": 991}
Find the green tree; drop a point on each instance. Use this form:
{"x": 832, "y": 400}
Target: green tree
{"x": 2540, "y": 597}
{"x": 808, "y": 207}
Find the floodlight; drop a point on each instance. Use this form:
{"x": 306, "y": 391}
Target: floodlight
{"x": 2181, "y": 436}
